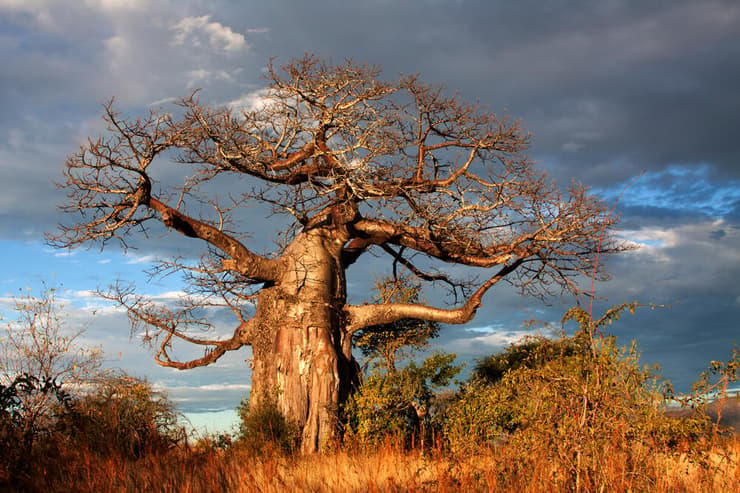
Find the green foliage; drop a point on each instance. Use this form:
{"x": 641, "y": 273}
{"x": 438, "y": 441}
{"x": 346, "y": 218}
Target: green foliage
{"x": 531, "y": 352}
{"x": 572, "y": 399}
{"x": 125, "y": 417}
{"x": 713, "y": 382}
{"x": 263, "y": 427}
{"x": 382, "y": 343}
{"x": 391, "y": 401}
{"x": 400, "y": 403}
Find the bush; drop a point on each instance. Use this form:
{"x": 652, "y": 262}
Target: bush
{"x": 532, "y": 352}
{"x": 401, "y": 403}
{"x": 573, "y": 404}
{"x": 262, "y": 427}
{"x": 125, "y": 417}
{"x": 27, "y": 435}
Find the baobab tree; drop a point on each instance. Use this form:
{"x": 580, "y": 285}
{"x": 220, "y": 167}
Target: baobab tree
{"x": 358, "y": 164}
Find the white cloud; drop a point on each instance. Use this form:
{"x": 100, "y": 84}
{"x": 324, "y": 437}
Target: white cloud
{"x": 677, "y": 263}
{"x": 168, "y": 296}
{"x": 85, "y": 293}
{"x": 55, "y": 16}
{"x": 495, "y": 340}
{"x": 65, "y": 253}
{"x": 140, "y": 259}
{"x": 253, "y": 101}
{"x": 117, "y": 5}
{"x": 135, "y": 51}
{"x": 657, "y": 241}
{"x": 195, "y": 30}
{"x": 202, "y": 76}
{"x": 211, "y": 387}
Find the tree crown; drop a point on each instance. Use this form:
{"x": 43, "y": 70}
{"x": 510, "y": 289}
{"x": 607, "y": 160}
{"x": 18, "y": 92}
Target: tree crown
{"x": 362, "y": 162}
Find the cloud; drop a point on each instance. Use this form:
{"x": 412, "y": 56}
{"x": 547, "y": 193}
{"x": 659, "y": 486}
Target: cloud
{"x": 683, "y": 188}
{"x": 197, "y": 31}
{"x": 135, "y": 258}
{"x": 256, "y": 100}
{"x": 212, "y": 387}
{"x": 478, "y": 345}
{"x": 202, "y": 76}
{"x": 117, "y": 5}
{"x": 679, "y": 259}
{"x": 61, "y": 59}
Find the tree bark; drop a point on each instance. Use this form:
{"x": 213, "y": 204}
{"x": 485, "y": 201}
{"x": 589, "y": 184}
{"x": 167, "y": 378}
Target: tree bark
{"x": 301, "y": 353}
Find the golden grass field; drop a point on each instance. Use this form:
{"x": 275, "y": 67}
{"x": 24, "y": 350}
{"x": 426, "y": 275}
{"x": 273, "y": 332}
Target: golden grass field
{"x": 388, "y": 468}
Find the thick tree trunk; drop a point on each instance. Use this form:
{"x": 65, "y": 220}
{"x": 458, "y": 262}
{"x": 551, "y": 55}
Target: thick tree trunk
{"x": 300, "y": 351}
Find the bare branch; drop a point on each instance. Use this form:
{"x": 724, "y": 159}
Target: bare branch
{"x": 160, "y": 325}
{"x": 361, "y": 316}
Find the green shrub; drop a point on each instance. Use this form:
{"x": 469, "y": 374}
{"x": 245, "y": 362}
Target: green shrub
{"x": 401, "y": 403}
{"x": 530, "y": 352}
{"x": 570, "y": 403}
{"x": 262, "y": 427}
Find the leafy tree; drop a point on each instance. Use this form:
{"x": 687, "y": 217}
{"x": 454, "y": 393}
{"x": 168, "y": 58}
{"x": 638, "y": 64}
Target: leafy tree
{"x": 356, "y": 164}
{"x": 391, "y": 400}
{"x": 400, "y": 402}
{"x": 383, "y": 343}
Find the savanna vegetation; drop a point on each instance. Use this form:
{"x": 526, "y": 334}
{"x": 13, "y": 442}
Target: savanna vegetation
{"x": 561, "y": 413}
{"x": 355, "y": 165}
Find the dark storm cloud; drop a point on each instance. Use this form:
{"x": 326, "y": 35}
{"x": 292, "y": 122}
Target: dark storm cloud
{"x": 607, "y": 88}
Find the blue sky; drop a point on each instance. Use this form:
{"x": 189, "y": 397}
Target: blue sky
{"x": 608, "y": 89}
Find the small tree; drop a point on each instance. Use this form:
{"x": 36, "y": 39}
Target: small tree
{"x": 391, "y": 400}
{"x": 38, "y": 344}
{"x": 399, "y": 403}
{"x": 382, "y": 344}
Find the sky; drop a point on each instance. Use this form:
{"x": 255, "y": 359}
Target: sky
{"x": 637, "y": 100}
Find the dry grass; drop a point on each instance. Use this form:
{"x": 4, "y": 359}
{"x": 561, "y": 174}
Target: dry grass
{"x": 392, "y": 469}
